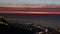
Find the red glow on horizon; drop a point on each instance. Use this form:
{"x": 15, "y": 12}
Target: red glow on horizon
{"x": 20, "y": 12}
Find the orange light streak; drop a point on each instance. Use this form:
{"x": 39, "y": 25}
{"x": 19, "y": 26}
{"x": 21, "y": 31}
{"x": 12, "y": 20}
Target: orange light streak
{"x": 21, "y": 12}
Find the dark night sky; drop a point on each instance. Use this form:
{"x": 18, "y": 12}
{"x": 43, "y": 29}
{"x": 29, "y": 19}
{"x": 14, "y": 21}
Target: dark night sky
{"x": 45, "y": 20}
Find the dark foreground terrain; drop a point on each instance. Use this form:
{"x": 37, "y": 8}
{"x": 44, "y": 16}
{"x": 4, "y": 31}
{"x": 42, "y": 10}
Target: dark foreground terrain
{"x": 7, "y": 28}
{"x": 13, "y": 30}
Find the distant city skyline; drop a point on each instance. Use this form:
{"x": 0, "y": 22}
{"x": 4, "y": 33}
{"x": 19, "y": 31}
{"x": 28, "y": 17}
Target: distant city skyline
{"x": 32, "y": 1}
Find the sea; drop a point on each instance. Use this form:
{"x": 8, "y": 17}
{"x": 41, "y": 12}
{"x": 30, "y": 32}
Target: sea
{"x": 48, "y": 20}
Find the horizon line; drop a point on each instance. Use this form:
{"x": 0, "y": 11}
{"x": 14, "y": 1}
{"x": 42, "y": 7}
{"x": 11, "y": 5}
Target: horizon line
{"x": 12, "y": 12}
